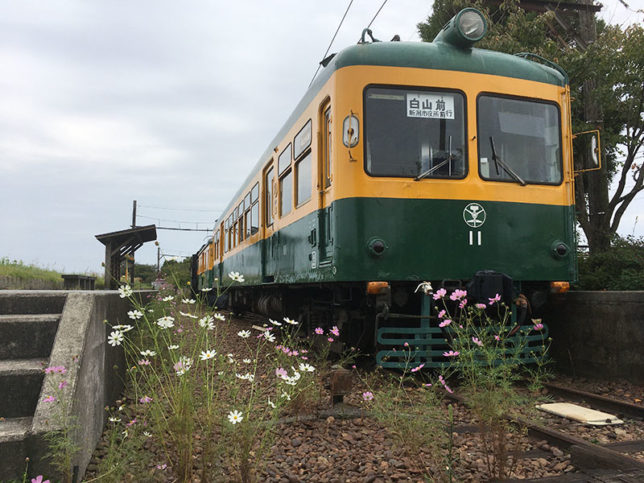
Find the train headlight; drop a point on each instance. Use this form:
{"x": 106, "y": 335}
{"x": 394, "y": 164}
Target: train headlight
{"x": 471, "y": 23}
{"x": 465, "y": 28}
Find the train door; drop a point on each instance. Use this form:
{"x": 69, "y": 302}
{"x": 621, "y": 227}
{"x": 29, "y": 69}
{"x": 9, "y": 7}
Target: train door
{"x": 269, "y": 207}
{"x": 325, "y": 180}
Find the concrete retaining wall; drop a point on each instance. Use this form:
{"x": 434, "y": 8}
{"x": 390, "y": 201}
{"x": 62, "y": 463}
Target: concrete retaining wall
{"x": 94, "y": 374}
{"x": 599, "y": 334}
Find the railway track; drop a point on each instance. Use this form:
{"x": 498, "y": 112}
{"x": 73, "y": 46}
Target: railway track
{"x": 596, "y": 463}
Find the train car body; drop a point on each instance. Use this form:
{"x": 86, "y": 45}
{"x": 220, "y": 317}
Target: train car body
{"x": 403, "y": 163}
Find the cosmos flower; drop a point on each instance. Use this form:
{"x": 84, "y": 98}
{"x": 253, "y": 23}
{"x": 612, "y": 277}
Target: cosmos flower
{"x": 135, "y": 314}
{"x": 319, "y": 331}
{"x": 166, "y": 322}
{"x": 236, "y": 277}
{"x": 244, "y": 334}
{"x": 125, "y": 291}
{"x": 148, "y": 353}
{"x": 235, "y": 417}
{"x": 115, "y": 338}
{"x": 440, "y": 293}
{"x": 445, "y": 323}
{"x": 290, "y": 321}
{"x": 208, "y": 354}
{"x": 451, "y": 353}
{"x": 367, "y": 396}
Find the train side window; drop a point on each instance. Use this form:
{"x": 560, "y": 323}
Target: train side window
{"x": 254, "y": 218}
{"x": 327, "y": 147}
{"x": 303, "y": 179}
{"x": 284, "y": 160}
{"x": 286, "y": 193}
{"x": 302, "y": 140}
{"x": 254, "y": 193}
{"x": 269, "y": 197}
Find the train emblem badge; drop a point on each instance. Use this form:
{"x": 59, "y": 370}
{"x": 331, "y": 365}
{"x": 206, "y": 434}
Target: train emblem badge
{"x": 474, "y": 215}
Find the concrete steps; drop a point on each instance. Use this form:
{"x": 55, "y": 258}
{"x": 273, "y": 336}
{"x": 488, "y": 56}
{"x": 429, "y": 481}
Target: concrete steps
{"x": 28, "y": 325}
{"x": 27, "y": 336}
{"x": 20, "y": 385}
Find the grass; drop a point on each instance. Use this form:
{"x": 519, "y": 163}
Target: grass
{"x": 17, "y": 275}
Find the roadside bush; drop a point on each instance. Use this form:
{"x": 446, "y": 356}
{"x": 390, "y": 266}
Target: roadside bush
{"x": 619, "y": 268}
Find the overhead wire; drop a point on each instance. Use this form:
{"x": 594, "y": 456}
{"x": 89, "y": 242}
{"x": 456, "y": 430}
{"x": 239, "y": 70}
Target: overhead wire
{"x": 378, "y": 12}
{"x": 331, "y": 43}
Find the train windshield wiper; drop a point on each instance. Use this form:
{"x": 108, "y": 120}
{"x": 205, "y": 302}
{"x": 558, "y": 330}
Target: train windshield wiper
{"x": 439, "y": 165}
{"x": 498, "y": 161}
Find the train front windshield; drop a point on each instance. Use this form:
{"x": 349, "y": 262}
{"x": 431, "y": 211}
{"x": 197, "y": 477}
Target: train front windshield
{"x": 414, "y": 133}
{"x": 519, "y": 140}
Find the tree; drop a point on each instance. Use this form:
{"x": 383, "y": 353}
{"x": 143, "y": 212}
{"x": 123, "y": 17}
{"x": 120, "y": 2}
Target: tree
{"x": 606, "y": 71}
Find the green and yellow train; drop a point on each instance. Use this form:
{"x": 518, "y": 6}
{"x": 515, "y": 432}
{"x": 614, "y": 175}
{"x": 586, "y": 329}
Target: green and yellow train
{"x": 406, "y": 162}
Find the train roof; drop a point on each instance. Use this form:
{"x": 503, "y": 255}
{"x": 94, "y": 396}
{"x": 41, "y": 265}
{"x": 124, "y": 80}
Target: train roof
{"x": 423, "y": 55}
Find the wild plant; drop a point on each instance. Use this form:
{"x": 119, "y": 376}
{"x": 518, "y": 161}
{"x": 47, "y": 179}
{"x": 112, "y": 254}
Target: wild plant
{"x": 61, "y": 437}
{"x": 487, "y": 350}
{"x": 197, "y": 387}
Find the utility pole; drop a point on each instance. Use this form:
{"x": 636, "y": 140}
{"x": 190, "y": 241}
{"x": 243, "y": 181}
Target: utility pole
{"x": 596, "y": 183}
{"x": 133, "y": 226}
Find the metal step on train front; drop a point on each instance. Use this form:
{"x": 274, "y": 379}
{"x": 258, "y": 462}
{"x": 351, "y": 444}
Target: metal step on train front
{"x": 414, "y": 340}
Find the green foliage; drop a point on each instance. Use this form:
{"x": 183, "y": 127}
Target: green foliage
{"x": 619, "y": 268}
{"x": 176, "y": 272}
{"x": 147, "y": 273}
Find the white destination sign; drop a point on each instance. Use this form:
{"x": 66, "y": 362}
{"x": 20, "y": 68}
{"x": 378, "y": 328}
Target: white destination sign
{"x": 430, "y": 106}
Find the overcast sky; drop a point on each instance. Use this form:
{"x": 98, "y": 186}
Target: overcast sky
{"x": 169, "y": 103}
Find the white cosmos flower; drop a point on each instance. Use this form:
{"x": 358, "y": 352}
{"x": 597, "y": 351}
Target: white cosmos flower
{"x": 147, "y": 434}
{"x": 189, "y": 315}
{"x": 306, "y": 368}
{"x": 275, "y": 322}
{"x": 209, "y": 354}
{"x": 112, "y": 419}
{"x": 173, "y": 347}
{"x": 290, "y": 321}
{"x": 244, "y": 334}
{"x": 246, "y": 361}
{"x": 285, "y": 395}
{"x": 269, "y": 337}
{"x": 235, "y": 416}
{"x": 168, "y": 298}
{"x": 236, "y": 277}
{"x": 219, "y": 316}
{"x": 271, "y": 404}
{"x": 125, "y": 291}
{"x": 148, "y": 353}
{"x": 135, "y": 314}
{"x": 188, "y": 301}
{"x": 206, "y": 289}
{"x": 207, "y": 321}
{"x": 115, "y": 338}
{"x": 123, "y": 328}
{"x": 166, "y": 322}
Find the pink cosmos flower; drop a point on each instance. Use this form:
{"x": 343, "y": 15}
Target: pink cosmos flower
{"x": 353, "y": 366}
{"x": 458, "y": 294}
{"x": 131, "y": 423}
{"x": 367, "y": 396}
{"x": 442, "y": 313}
{"x": 440, "y": 293}
{"x": 304, "y": 358}
{"x": 281, "y": 372}
{"x": 162, "y": 467}
{"x": 451, "y": 353}
{"x": 330, "y": 339}
{"x": 477, "y": 341}
{"x": 462, "y": 304}
{"x": 445, "y": 323}
{"x": 49, "y": 399}
{"x": 56, "y": 370}
{"x": 39, "y": 479}
{"x": 406, "y": 344}
{"x": 145, "y": 399}
{"x": 538, "y": 326}
{"x": 497, "y": 338}
{"x": 144, "y": 362}
{"x": 335, "y": 331}
{"x": 319, "y": 331}
{"x": 495, "y": 299}
{"x": 447, "y": 388}
{"x": 480, "y": 306}
{"x": 418, "y": 368}
{"x": 62, "y": 384}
